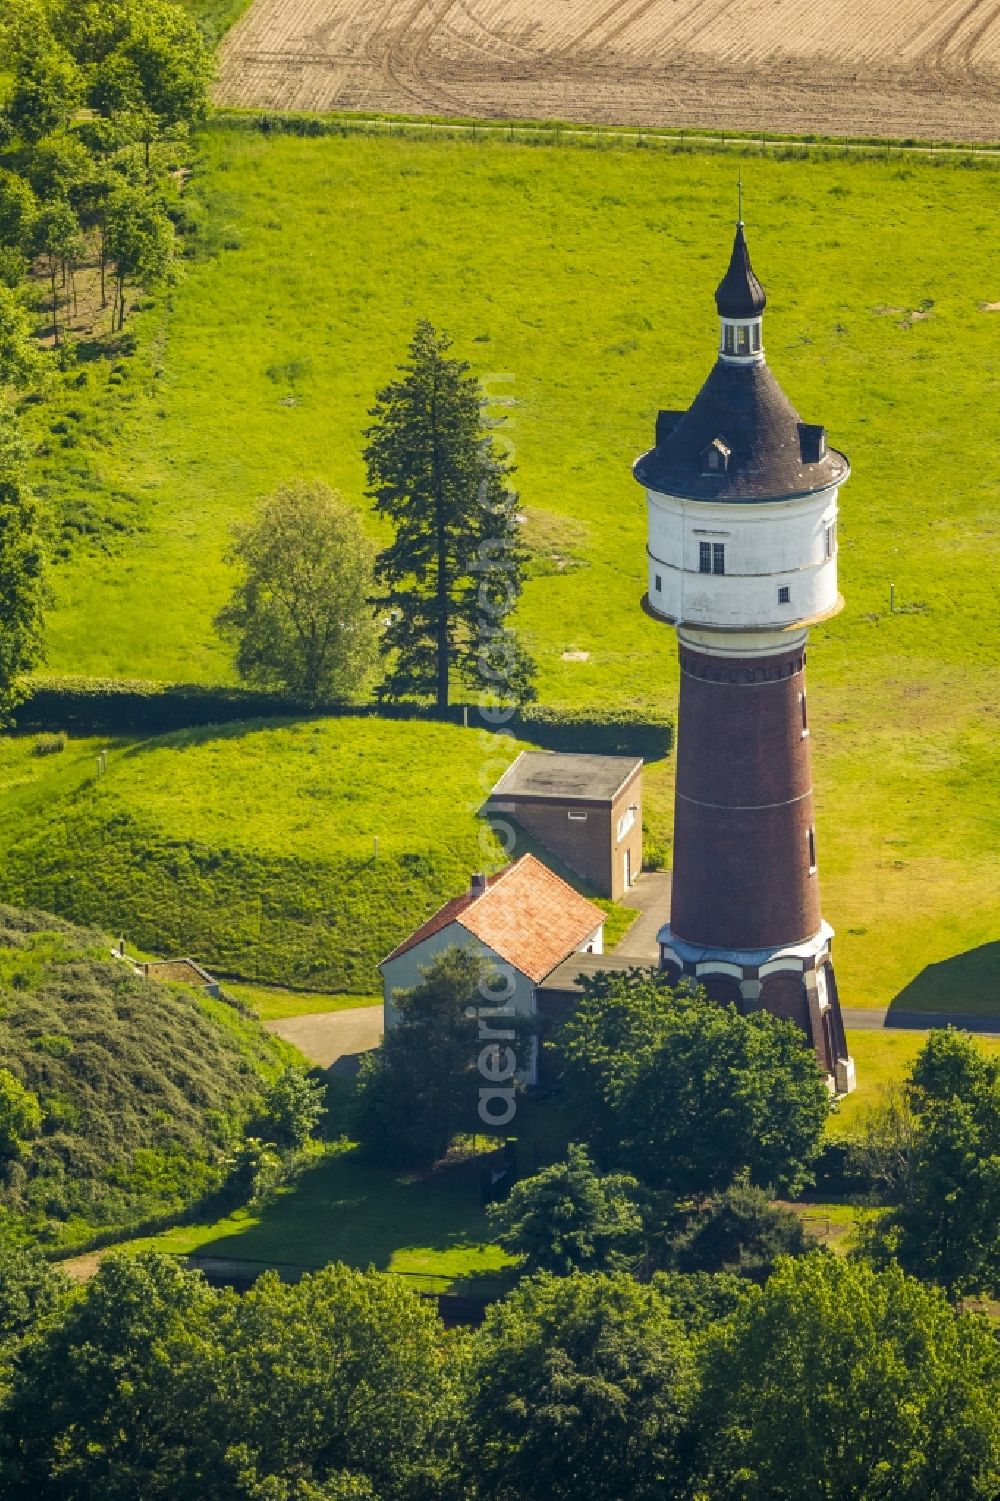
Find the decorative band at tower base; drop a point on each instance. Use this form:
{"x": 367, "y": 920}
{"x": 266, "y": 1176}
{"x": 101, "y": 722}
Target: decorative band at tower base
{"x": 795, "y": 983}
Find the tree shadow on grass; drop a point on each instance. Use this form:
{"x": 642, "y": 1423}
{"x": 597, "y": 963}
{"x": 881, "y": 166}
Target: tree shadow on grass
{"x": 348, "y": 1209}
{"x": 967, "y": 984}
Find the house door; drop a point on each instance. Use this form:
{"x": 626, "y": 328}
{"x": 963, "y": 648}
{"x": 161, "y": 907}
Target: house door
{"x": 628, "y": 869}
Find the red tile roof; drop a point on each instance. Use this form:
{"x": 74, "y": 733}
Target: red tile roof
{"x": 527, "y": 915}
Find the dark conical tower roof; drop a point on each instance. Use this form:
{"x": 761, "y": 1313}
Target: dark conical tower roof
{"x": 739, "y": 293}
{"x": 740, "y": 439}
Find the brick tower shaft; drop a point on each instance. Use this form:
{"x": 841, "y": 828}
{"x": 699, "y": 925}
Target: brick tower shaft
{"x": 744, "y": 874}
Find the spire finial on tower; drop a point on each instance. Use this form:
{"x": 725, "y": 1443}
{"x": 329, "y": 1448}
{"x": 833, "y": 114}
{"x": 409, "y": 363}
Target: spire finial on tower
{"x": 739, "y": 197}
{"x": 739, "y": 293}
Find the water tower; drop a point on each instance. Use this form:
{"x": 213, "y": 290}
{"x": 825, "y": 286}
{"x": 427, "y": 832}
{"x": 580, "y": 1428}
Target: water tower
{"x": 742, "y": 551}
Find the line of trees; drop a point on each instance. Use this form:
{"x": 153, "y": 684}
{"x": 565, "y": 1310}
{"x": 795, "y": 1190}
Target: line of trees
{"x": 833, "y": 1380}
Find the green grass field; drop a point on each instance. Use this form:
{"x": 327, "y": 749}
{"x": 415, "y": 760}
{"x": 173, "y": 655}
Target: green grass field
{"x": 584, "y": 279}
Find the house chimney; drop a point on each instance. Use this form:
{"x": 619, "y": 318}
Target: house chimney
{"x": 478, "y": 884}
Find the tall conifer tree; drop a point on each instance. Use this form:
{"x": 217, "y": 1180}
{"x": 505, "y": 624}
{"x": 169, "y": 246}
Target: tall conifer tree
{"x": 455, "y": 570}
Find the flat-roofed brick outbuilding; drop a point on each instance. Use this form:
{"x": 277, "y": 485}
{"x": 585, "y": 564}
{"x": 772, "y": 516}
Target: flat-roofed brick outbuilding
{"x": 587, "y": 809}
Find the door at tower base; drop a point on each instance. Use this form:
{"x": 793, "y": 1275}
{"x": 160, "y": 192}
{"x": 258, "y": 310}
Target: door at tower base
{"x": 796, "y": 983}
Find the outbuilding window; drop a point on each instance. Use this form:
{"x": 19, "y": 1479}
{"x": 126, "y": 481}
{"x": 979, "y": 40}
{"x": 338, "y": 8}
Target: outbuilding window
{"x": 576, "y": 815}
{"x": 704, "y": 557}
{"x": 625, "y": 822}
{"x": 784, "y": 595}
{"x": 718, "y": 557}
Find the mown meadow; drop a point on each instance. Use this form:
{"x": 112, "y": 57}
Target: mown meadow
{"x": 578, "y": 282}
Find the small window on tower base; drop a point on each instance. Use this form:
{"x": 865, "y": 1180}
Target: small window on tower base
{"x": 658, "y": 583}
{"x": 784, "y": 595}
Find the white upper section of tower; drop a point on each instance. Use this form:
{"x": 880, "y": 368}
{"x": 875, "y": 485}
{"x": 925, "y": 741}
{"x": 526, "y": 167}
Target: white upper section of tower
{"x": 736, "y": 567}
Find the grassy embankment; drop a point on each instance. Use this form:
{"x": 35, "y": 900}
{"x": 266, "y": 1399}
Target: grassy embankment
{"x": 587, "y": 275}
{"x": 253, "y": 848}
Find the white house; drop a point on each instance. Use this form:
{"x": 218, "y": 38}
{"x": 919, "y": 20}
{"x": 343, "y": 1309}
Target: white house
{"x": 525, "y": 918}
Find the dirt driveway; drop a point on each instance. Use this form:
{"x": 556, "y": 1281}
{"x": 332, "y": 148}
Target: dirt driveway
{"x": 328, "y": 1036}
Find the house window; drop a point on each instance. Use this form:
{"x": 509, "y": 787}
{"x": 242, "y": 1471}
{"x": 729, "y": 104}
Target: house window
{"x": 658, "y": 584}
{"x": 784, "y": 595}
{"x": 718, "y": 557}
{"x": 713, "y": 458}
{"x": 811, "y": 841}
{"x": 704, "y": 557}
{"x": 830, "y": 532}
{"x": 576, "y": 815}
{"x": 625, "y": 822}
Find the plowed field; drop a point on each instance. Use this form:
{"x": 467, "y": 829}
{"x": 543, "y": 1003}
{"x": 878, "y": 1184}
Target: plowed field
{"x": 927, "y": 68}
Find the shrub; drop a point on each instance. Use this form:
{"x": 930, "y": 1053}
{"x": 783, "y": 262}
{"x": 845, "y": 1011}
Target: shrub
{"x": 49, "y": 744}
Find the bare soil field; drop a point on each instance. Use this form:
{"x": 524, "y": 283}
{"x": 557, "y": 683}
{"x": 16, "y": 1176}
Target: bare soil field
{"x": 923, "y": 68}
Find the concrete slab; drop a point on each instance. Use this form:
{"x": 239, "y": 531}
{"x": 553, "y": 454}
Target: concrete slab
{"x": 651, "y": 894}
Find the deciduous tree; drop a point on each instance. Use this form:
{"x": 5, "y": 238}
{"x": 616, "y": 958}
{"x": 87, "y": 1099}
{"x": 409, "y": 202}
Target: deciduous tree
{"x": 58, "y": 242}
{"x": 838, "y": 1381}
{"x": 20, "y": 1115}
{"x": 46, "y": 85}
{"x": 741, "y": 1230}
{"x": 687, "y": 1095}
{"x": 419, "y": 1086}
{"x": 579, "y": 1390}
{"x": 140, "y": 241}
{"x": 293, "y": 1108}
{"x": 299, "y": 615}
{"x": 455, "y": 570}
{"x": 948, "y": 1219}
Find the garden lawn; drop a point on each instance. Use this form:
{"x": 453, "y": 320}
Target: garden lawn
{"x": 882, "y": 1058}
{"x": 579, "y": 282}
{"x": 433, "y": 1230}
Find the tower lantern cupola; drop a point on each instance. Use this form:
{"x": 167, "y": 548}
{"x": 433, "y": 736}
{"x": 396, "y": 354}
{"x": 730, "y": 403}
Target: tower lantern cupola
{"x": 741, "y": 301}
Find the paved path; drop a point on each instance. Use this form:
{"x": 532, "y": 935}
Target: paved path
{"x": 328, "y": 1036}
{"x": 863, "y": 1020}
{"x": 651, "y": 894}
